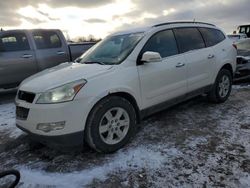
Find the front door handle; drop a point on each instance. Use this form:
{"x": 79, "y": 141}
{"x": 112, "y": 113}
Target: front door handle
{"x": 27, "y": 56}
{"x": 180, "y": 65}
{"x": 210, "y": 56}
{"x": 60, "y": 53}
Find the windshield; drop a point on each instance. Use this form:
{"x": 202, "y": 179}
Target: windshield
{"x": 112, "y": 50}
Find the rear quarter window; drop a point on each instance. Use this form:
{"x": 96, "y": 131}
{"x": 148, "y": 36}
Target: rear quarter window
{"x": 212, "y": 36}
{"x": 14, "y": 42}
{"x": 46, "y": 40}
{"x": 189, "y": 39}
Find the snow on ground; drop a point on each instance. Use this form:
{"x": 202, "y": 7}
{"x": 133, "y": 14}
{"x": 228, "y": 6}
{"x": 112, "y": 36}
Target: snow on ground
{"x": 195, "y": 144}
{"x": 131, "y": 160}
{"x": 7, "y": 121}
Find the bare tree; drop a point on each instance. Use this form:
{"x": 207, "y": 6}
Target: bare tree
{"x": 90, "y": 38}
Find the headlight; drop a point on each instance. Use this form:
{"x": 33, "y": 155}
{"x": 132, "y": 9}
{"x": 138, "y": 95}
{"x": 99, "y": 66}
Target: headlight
{"x": 60, "y": 94}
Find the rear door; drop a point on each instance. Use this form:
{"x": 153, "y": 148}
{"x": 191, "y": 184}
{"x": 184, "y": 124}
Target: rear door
{"x": 200, "y": 60}
{"x": 51, "y": 49}
{"x": 17, "y": 58}
{"x": 163, "y": 80}
{"x": 213, "y": 39}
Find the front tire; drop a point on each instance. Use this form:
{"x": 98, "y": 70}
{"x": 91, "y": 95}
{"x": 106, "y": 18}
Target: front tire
{"x": 222, "y": 87}
{"x": 110, "y": 125}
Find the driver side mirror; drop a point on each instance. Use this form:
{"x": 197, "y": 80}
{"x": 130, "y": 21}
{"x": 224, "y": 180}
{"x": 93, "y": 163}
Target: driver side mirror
{"x": 151, "y": 57}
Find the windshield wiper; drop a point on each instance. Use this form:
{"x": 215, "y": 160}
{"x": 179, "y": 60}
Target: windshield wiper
{"x": 94, "y": 62}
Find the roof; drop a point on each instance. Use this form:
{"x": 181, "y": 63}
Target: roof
{"x": 23, "y": 30}
{"x": 183, "y": 22}
{"x": 244, "y": 25}
{"x": 145, "y": 29}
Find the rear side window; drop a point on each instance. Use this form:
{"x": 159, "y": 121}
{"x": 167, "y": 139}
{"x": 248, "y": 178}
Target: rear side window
{"x": 189, "y": 39}
{"x": 245, "y": 30}
{"x": 163, "y": 42}
{"x": 212, "y": 36}
{"x": 14, "y": 42}
{"x": 46, "y": 39}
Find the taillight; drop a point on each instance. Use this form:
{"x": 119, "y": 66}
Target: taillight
{"x": 235, "y": 46}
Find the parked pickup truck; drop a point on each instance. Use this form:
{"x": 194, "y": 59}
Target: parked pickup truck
{"x": 26, "y": 52}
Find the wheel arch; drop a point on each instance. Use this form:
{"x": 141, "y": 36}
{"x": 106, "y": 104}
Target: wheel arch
{"x": 132, "y": 100}
{"x": 226, "y": 66}
{"x": 122, "y": 94}
{"x": 229, "y": 67}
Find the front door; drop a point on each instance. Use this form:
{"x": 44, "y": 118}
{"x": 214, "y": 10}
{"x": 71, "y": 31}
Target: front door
{"x": 50, "y": 49}
{"x": 17, "y": 59}
{"x": 165, "y": 80}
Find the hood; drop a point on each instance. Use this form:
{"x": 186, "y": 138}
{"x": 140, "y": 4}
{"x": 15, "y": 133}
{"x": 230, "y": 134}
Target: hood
{"x": 62, "y": 74}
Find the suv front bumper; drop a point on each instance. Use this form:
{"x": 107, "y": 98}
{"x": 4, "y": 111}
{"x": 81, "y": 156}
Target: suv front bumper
{"x": 73, "y": 114}
{"x": 59, "y": 141}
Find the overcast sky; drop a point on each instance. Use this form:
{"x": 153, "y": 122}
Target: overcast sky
{"x": 101, "y": 17}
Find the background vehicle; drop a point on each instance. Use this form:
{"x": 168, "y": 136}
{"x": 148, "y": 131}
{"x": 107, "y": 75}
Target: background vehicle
{"x": 237, "y": 37}
{"x": 244, "y": 29}
{"x": 26, "y": 52}
{"x": 243, "y": 59}
{"x": 124, "y": 78}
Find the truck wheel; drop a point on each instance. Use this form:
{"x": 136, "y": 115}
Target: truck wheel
{"x": 110, "y": 125}
{"x": 222, "y": 87}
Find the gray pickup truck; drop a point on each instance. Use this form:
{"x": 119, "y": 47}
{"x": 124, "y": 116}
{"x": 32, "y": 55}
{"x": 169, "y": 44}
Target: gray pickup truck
{"x": 26, "y": 52}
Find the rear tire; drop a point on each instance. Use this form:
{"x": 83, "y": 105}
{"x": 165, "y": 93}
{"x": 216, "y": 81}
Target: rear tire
{"x": 222, "y": 87}
{"x": 110, "y": 124}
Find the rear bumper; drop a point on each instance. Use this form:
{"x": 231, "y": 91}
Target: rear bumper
{"x": 58, "y": 141}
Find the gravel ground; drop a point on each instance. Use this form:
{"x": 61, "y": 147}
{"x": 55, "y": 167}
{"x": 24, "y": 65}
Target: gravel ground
{"x": 194, "y": 144}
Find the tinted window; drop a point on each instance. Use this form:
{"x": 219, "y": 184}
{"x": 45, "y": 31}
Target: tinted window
{"x": 14, "y": 42}
{"x": 245, "y": 29}
{"x": 212, "y": 36}
{"x": 46, "y": 39}
{"x": 189, "y": 39}
{"x": 248, "y": 29}
{"x": 163, "y": 42}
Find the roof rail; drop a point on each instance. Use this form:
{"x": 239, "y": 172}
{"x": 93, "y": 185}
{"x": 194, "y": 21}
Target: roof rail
{"x": 184, "y": 22}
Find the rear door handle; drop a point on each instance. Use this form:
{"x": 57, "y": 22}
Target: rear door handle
{"x": 27, "y": 56}
{"x": 180, "y": 65}
{"x": 60, "y": 53}
{"x": 210, "y": 56}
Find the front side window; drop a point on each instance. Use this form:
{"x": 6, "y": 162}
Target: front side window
{"x": 112, "y": 50}
{"x": 163, "y": 42}
{"x": 46, "y": 40}
{"x": 14, "y": 42}
{"x": 212, "y": 36}
{"x": 189, "y": 39}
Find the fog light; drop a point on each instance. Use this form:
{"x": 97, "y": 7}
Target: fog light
{"x": 48, "y": 127}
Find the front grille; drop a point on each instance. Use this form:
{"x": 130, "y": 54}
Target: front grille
{"x": 26, "y": 96}
{"x": 22, "y": 113}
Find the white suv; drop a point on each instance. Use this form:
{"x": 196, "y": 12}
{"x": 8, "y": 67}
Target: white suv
{"x": 127, "y": 76}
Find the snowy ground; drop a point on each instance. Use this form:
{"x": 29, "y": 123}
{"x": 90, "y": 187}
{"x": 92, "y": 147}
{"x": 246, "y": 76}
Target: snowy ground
{"x": 194, "y": 144}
